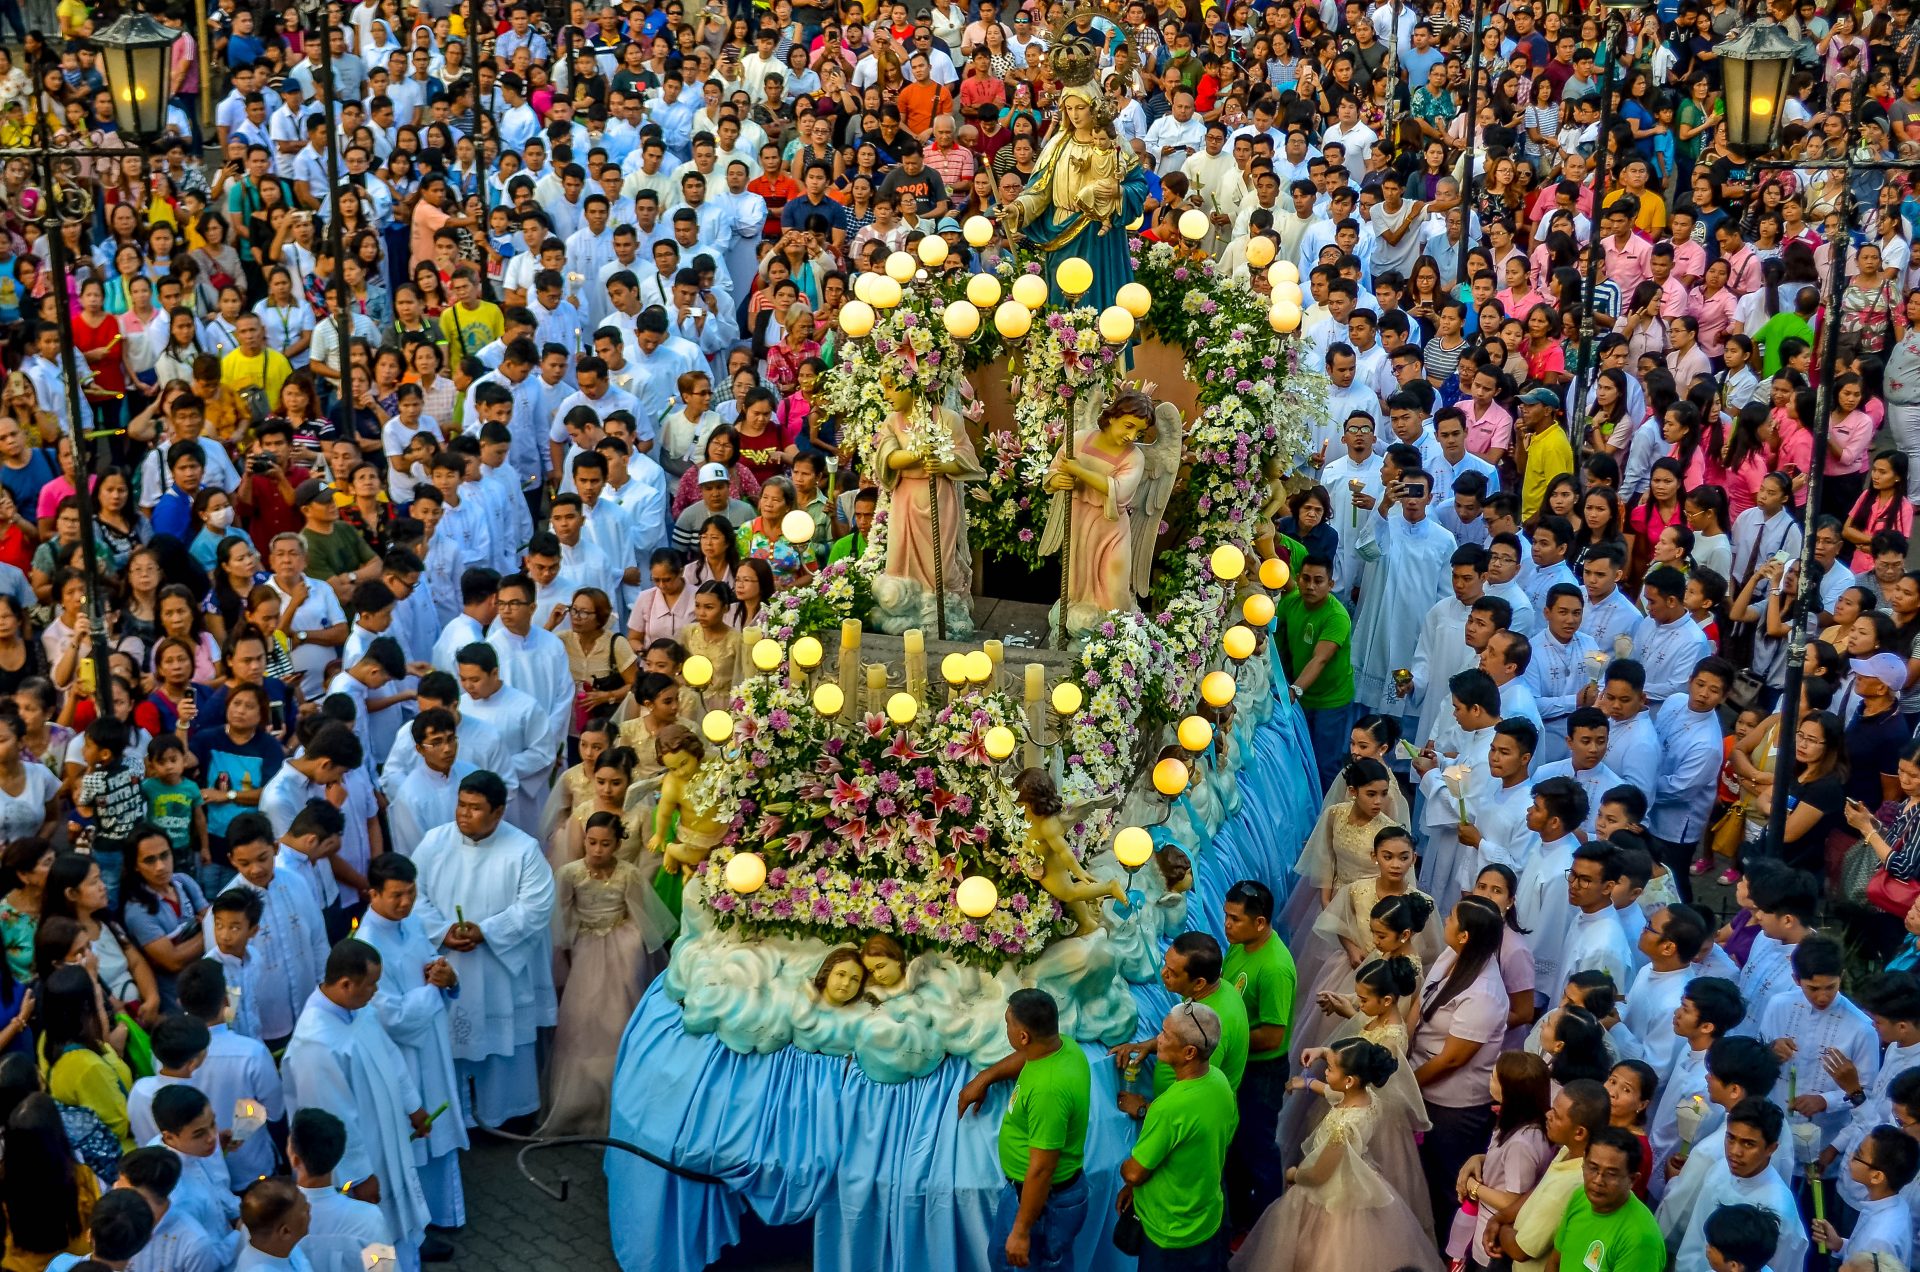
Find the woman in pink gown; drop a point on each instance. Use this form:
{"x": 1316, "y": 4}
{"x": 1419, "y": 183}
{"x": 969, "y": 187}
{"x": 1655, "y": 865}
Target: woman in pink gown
{"x": 1094, "y": 479}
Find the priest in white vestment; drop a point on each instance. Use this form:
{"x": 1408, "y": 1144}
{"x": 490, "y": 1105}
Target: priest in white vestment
{"x": 1442, "y": 652}
{"x": 417, "y": 985}
{"x": 479, "y": 742}
{"x": 486, "y": 900}
{"x": 342, "y": 1060}
{"x": 527, "y": 733}
{"x": 1403, "y": 566}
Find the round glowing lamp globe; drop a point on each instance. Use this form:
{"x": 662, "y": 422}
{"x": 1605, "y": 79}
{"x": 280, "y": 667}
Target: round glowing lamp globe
{"x": 1013, "y": 319}
{"x": 697, "y": 671}
{"x": 1067, "y": 698}
{"x": 1170, "y": 777}
{"x": 932, "y": 251}
{"x": 828, "y": 699}
{"x": 1195, "y": 734}
{"x": 1116, "y": 325}
{"x": 1030, "y": 290}
{"x": 1000, "y": 742}
{"x": 901, "y": 266}
{"x": 979, "y": 667}
{"x": 767, "y": 654}
{"x": 1274, "y": 573}
{"x": 1228, "y": 562}
{"x": 1238, "y": 643}
{"x": 962, "y": 318}
{"x": 1258, "y": 609}
{"x": 978, "y": 231}
{"x": 863, "y": 286}
{"x": 797, "y": 526}
{"x": 746, "y": 871}
{"x": 1217, "y": 688}
{"x": 716, "y": 726}
{"x": 883, "y": 292}
{"x": 1194, "y": 225}
{"x": 1075, "y": 276}
{"x": 1284, "y": 318}
{"x": 983, "y": 290}
{"x": 1287, "y": 272}
{"x": 1133, "y": 847}
{"x": 857, "y": 318}
{"x": 806, "y": 652}
{"x": 1289, "y": 292}
{"x": 1259, "y": 252}
{"x": 1134, "y": 298}
{"x": 953, "y": 669}
{"x": 902, "y": 708}
{"x": 976, "y": 896}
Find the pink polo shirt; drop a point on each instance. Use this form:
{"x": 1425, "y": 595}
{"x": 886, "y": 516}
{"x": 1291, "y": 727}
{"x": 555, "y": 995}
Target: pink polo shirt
{"x": 1743, "y": 272}
{"x": 1490, "y": 432}
{"x": 1715, "y": 313}
{"x": 1690, "y": 260}
{"x": 1629, "y": 266}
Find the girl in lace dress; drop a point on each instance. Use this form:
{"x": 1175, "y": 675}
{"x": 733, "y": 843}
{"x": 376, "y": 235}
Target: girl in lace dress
{"x": 1339, "y": 1214}
{"x": 614, "y": 931}
{"x": 1343, "y": 933}
{"x": 1340, "y": 849}
{"x": 1394, "y": 927}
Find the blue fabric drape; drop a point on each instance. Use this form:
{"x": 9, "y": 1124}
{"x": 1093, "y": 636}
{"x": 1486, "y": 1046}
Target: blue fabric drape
{"x": 893, "y": 1181}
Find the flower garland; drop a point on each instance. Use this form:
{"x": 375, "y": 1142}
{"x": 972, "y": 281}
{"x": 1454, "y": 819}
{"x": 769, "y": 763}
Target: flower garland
{"x": 870, "y": 826}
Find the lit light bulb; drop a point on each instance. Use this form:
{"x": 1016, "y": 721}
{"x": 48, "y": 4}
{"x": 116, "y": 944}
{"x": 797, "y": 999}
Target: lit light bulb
{"x": 1030, "y": 290}
{"x": 1000, "y": 742}
{"x": 1170, "y": 777}
{"x": 1134, "y": 298}
{"x": 1238, "y": 643}
{"x": 797, "y": 526}
{"x": 1116, "y": 325}
{"x": 1013, "y": 319}
{"x": 979, "y": 667}
{"x": 1284, "y": 318}
{"x": 983, "y": 290}
{"x": 1194, "y": 225}
{"x": 828, "y": 699}
{"x": 884, "y": 292}
{"x": 962, "y": 319}
{"x": 978, "y": 231}
{"x": 746, "y": 871}
{"x": 900, "y": 267}
{"x": 716, "y": 726}
{"x": 1133, "y": 847}
{"x": 1067, "y": 698}
{"x": 1075, "y": 276}
{"x": 1217, "y": 688}
{"x": 976, "y": 896}
{"x": 767, "y": 654}
{"x": 1259, "y": 252}
{"x": 1258, "y": 609}
{"x": 857, "y": 318}
{"x": 1227, "y": 561}
{"x": 1274, "y": 573}
{"x": 806, "y": 653}
{"x": 902, "y": 708}
{"x": 933, "y": 251}
{"x": 953, "y": 669}
{"x": 697, "y": 671}
{"x": 1195, "y": 734}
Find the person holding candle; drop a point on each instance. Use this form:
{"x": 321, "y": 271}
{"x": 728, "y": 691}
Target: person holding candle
{"x": 1751, "y": 1137}
{"x": 1708, "y": 1009}
{"x": 235, "y": 1072}
{"x": 340, "y": 1225}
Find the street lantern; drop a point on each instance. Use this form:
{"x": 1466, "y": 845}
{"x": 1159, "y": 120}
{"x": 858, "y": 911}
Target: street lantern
{"x": 136, "y": 55}
{"x": 1756, "y": 64}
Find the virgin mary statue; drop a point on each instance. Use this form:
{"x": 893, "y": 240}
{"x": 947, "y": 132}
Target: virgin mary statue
{"x": 1086, "y": 189}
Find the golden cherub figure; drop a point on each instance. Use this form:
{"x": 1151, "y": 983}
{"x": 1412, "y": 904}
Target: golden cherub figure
{"x": 697, "y": 833}
{"x": 1061, "y": 873}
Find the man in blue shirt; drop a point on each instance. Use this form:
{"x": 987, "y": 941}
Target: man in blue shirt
{"x": 174, "y": 513}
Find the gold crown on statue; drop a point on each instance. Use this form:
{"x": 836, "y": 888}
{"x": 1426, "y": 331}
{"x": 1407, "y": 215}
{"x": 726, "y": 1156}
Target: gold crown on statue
{"x": 1074, "y": 58}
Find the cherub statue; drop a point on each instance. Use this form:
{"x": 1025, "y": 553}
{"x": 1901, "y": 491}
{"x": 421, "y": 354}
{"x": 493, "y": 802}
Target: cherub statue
{"x": 842, "y": 978}
{"x": 1060, "y": 872}
{"x": 885, "y": 960}
{"x": 1275, "y": 471}
{"x": 698, "y": 832}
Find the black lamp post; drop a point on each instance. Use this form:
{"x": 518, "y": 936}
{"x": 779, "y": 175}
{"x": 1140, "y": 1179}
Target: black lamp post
{"x": 135, "y": 57}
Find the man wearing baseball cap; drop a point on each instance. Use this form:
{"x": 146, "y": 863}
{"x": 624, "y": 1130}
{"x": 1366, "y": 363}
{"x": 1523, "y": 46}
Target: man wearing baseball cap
{"x": 716, "y": 500}
{"x": 1876, "y": 731}
{"x": 1544, "y": 451}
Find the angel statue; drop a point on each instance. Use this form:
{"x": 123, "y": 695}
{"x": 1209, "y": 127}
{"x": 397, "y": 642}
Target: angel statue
{"x": 1059, "y": 872}
{"x": 1087, "y": 187}
{"x": 686, "y": 842}
{"x": 1098, "y": 518}
{"x": 922, "y": 452}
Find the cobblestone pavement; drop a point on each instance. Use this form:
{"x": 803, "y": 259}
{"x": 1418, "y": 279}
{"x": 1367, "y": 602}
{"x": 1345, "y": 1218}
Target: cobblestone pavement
{"x": 513, "y": 1227}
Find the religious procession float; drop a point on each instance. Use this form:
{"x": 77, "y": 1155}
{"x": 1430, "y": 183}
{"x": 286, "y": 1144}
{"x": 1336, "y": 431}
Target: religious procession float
{"x": 907, "y": 811}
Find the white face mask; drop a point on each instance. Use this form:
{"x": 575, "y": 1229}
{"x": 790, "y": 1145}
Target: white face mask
{"x": 220, "y": 518}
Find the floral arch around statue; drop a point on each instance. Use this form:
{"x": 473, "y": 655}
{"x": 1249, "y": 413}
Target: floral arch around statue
{"x": 890, "y": 869}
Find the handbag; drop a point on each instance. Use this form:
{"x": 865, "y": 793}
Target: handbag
{"x": 1129, "y": 1236}
{"x": 1891, "y": 894}
{"x": 1725, "y": 836}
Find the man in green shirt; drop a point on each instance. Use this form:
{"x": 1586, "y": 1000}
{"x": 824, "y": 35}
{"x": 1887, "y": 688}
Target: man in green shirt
{"x": 855, "y": 544}
{"x": 1783, "y": 326}
{"x": 1316, "y": 634}
{"x": 1043, "y": 1134}
{"x": 336, "y": 552}
{"x": 1607, "y": 1228}
{"x": 1172, "y": 1180}
{"x": 1191, "y": 970}
{"x": 1261, "y": 971}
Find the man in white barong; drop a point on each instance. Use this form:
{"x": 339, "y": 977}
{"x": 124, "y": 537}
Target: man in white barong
{"x": 426, "y": 797}
{"x": 1671, "y": 941}
{"x": 1594, "y": 940}
{"x": 532, "y": 659}
{"x": 479, "y": 588}
{"x": 486, "y": 899}
{"x": 204, "y": 1194}
{"x": 526, "y": 732}
{"x": 1540, "y": 898}
{"x": 1563, "y": 668}
{"x": 416, "y": 986}
{"x": 1810, "y": 1022}
{"x": 479, "y": 743}
{"x": 1753, "y": 1131}
{"x": 1403, "y": 559}
{"x": 1496, "y": 829}
{"x": 343, "y": 1061}
{"x": 1441, "y": 650}
{"x": 1506, "y": 658}
{"x": 1584, "y": 752}
{"x": 1893, "y": 1001}
{"x": 1452, "y": 769}
{"x": 290, "y": 946}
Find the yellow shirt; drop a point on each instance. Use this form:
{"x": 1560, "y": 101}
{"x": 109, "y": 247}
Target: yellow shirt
{"x": 268, "y": 369}
{"x": 1540, "y": 1217}
{"x": 1652, "y": 216}
{"x": 98, "y": 1080}
{"x": 476, "y": 328}
{"x": 1549, "y": 454}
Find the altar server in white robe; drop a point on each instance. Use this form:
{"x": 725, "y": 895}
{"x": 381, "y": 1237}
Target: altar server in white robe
{"x": 1498, "y": 815}
{"x": 1506, "y": 658}
{"x": 479, "y": 742}
{"x": 1563, "y": 666}
{"x": 425, "y": 799}
{"x": 290, "y": 947}
{"x": 205, "y": 1193}
{"x": 1404, "y": 559}
{"x": 1452, "y": 769}
{"x": 416, "y": 986}
{"x": 339, "y": 1227}
{"x": 479, "y": 588}
{"x": 277, "y": 1220}
{"x": 1810, "y": 1020}
{"x": 342, "y": 1060}
{"x": 1894, "y": 1003}
{"x": 532, "y": 659}
{"x": 486, "y": 898}
{"x": 1739, "y": 1066}
{"x": 1594, "y": 940}
{"x": 1540, "y": 898}
{"x": 1753, "y": 1131}
{"x": 178, "y": 1244}
{"x": 237, "y": 1070}
{"x": 1671, "y": 941}
{"x": 526, "y": 732}
{"x": 1583, "y": 749}
{"x": 1442, "y": 650}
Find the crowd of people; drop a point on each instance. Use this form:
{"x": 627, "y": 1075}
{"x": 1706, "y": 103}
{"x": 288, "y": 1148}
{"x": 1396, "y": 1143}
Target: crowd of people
{"x": 341, "y": 851}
